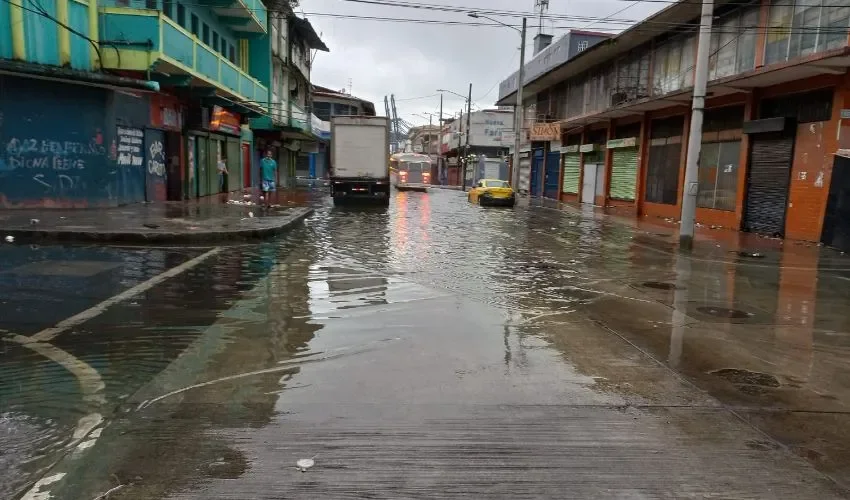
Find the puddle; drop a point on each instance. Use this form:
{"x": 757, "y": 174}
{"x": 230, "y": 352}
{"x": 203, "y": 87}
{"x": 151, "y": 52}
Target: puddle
{"x": 724, "y": 312}
{"x": 659, "y": 285}
{"x": 745, "y": 377}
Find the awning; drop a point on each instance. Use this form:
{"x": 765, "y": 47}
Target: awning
{"x": 305, "y": 29}
{"x": 85, "y": 78}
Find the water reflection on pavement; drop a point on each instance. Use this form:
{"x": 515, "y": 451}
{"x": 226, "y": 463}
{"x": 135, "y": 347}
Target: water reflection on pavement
{"x": 441, "y": 350}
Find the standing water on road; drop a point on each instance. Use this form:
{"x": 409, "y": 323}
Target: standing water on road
{"x": 432, "y": 349}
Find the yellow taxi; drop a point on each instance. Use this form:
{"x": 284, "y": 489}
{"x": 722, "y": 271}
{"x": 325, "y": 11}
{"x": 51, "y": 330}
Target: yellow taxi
{"x": 492, "y": 192}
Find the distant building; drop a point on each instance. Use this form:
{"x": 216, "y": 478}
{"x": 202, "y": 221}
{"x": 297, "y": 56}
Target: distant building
{"x": 492, "y": 136}
{"x": 425, "y": 139}
{"x": 328, "y": 103}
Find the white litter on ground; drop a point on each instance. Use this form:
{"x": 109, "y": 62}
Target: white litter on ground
{"x": 10, "y": 239}
{"x": 251, "y": 214}
{"x": 305, "y": 463}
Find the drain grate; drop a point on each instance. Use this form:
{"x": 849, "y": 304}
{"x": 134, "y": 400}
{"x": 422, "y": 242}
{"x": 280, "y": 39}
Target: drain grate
{"x": 724, "y": 312}
{"x": 659, "y": 285}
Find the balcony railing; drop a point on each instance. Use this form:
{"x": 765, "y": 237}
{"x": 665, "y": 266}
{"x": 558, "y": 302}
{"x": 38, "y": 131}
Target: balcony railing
{"x": 185, "y": 48}
{"x": 173, "y": 46}
{"x": 299, "y": 118}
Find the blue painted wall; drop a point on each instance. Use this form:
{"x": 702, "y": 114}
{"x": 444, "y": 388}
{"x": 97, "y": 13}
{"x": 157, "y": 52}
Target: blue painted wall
{"x": 5, "y": 32}
{"x": 41, "y": 36}
{"x": 58, "y": 145}
{"x": 260, "y": 59}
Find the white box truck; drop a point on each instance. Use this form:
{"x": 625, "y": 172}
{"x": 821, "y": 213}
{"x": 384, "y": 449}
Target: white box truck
{"x": 360, "y": 147}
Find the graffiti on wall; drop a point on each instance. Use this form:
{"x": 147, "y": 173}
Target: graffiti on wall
{"x": 56, "y": 166}
{"x": 156, "y": 159}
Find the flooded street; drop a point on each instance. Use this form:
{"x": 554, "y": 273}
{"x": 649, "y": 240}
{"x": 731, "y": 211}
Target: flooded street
{"x": 431, "y": 350}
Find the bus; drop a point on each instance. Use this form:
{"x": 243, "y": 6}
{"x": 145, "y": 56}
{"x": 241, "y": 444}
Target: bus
{"x": 410, "y": 171}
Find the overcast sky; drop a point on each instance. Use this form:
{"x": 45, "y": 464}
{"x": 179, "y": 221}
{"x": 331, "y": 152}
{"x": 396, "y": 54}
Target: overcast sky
{"x": 411, "y": 60}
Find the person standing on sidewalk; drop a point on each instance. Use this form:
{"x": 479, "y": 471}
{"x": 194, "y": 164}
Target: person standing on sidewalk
{"x": 268, "y": 167}
{"x": 222, "y": 174}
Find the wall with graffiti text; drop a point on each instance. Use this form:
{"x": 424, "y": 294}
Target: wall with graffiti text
{"x": 59, "y": 146}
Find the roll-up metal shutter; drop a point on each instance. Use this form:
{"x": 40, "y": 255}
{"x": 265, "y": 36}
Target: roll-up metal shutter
{"x": 624, "y": 168}
{"x": 768, "y": 179}
{"x": 572, "y": 166}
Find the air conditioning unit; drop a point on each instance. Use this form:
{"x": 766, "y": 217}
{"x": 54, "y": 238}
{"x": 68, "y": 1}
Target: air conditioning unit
{"x": 619, "y": 98}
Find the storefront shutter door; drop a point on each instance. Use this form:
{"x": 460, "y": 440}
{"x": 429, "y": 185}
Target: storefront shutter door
{"x": 572, "y": 165}
{"x": 624, "y": 174}
{"x": 767, "y": 185}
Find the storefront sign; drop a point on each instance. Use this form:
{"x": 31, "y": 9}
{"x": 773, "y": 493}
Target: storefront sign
{"x": 588, "y": 148}
{"x": 166, "y": 113}
{"x": 546, "y": 132}
{"x": 628, "y": 142}
{"x": 569, "y": 149}
{"x": 130, "y": 142}
{"x": 225, "y": 121}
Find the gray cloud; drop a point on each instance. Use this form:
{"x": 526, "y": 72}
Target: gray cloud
{"x": 412, "y": 60}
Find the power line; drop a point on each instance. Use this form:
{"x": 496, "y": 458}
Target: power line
{"x": 684, "y": 27}
{"x": 416, "y": 98}
{"x": 614, "y": 14}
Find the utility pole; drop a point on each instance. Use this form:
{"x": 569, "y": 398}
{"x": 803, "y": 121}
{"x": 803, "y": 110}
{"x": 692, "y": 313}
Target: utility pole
{"x": 459, "y": 137}
{"x": 468, "y": 133}
{"x": 518, "y": 112}
{"x": 440, "y": 144}
{"x": 689, "y": 198}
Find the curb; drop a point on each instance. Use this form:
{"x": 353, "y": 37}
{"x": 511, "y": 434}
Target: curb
{"x": 283, "y": 224}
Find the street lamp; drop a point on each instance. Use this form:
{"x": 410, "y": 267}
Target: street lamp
{"x": 455, "y": 93}
{"x": 519, "y": 111}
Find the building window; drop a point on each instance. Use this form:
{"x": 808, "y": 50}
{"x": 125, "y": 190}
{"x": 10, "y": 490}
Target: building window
{"x": 798, "y": 28}
{"x": 815, "y": 106}
{"x": 232, "y": 54}
{"x": 215, "y": 41}
{"x": 181, "y": 15}
{"x": 205, "y": 34}
{"x": 322, "y": 110}
{"x": 195, "y": 25}
{"x": 718, "y": 175}
{"x": 582, "y": 46}
{"x": 746, "y": 56}
{"x": 153, "y": 5}
{"x": 224, "y": 45}
{"x": 674, "y": 65}
{"x": 665, "y": 152}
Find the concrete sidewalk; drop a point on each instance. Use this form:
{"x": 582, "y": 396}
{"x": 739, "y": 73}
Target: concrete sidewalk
{"x": 171, "y": 222}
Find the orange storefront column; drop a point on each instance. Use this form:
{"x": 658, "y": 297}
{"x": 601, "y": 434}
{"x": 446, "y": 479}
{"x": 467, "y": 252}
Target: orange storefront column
{"x": 814, "y": 148}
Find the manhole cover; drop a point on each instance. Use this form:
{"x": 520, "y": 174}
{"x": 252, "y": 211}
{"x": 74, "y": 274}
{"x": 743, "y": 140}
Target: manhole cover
{"x": 724, "y": 312}
{"x": 751, "y": 255}
{"x": 746, "y": 377}
{"x": 659, "y": 285}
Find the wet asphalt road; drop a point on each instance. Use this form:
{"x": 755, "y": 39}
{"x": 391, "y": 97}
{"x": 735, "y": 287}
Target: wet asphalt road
{"x": 434, "y": 350}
